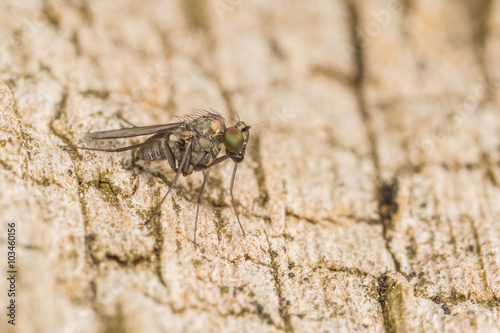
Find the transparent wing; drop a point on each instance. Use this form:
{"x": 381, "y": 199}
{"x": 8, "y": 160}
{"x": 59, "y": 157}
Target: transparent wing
{"x": 134, "y": 131}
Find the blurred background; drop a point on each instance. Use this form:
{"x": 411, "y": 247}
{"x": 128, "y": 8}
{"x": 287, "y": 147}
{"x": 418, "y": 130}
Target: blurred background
{"x": 369, "y": 192}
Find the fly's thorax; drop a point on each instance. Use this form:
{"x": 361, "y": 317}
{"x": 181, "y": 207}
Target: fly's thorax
{"x": 210, "y": 126}
{"x": 205, "y": 144}
{"x": 174, "y": 137}
{"x": 180, "y": 138}
{"x": 204, "y": 151}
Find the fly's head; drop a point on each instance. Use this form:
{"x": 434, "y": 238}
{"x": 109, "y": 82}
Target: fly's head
{"x": 235, "y": 140}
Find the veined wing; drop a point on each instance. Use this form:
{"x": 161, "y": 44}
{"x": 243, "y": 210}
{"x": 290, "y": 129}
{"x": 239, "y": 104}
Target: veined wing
{"x": 133, "y": 131}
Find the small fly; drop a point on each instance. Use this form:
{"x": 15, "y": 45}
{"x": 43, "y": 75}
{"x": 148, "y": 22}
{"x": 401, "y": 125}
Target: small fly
{"x": 191, "y": 144}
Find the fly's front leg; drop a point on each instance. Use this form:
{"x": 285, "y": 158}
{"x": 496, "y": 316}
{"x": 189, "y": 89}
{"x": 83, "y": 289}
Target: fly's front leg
{"x": 232, "y": 198}
{"x": 220, "y": 160}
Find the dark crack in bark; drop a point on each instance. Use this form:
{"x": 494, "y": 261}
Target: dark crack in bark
{"x": 359, "y": 83}
{"x": 480, "y": 21}
{"x": 284, "y": 304}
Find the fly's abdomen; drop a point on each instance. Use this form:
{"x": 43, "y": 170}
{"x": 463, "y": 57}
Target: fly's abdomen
{"x": 156, "y": 150}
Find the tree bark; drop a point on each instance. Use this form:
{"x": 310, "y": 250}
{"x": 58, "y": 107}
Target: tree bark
{"x": 369, "y": 193}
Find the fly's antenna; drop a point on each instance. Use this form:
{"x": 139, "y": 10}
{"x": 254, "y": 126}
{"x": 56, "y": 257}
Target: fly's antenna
{"x": 259, "y": 123}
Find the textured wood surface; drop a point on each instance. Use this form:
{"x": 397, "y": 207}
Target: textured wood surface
{"x": 370, "y": 197}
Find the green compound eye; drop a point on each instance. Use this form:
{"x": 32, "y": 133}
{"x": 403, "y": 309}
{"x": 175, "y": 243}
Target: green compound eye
{"x": 232, "y": 139}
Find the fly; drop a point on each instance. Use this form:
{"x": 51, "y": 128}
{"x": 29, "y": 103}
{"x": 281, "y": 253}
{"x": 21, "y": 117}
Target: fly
{"x": 191, "y": 144}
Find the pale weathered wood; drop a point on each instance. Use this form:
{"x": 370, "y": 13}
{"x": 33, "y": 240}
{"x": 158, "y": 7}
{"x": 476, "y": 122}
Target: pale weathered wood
{"x": 370, "y": 197}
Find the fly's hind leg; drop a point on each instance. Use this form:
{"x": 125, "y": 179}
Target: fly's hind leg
{"x": 185, "y": 159}
{"x": 119, "y": 116}
{"x": 122, "y": 118}
{"x": 170, "y": 155}
{"x": 112, "y": 150}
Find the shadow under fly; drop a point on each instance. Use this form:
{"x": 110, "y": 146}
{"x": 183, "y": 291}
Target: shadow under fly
{"x": 191, "y": 144}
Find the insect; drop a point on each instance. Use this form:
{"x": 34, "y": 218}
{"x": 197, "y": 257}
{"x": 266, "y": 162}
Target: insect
{"x": 191, "y": 144}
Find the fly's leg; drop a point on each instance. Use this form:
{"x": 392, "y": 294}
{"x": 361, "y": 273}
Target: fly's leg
{"x": 111, "y": 150}
{"x": 185, "y": 158}
{"x": 119, "y": 116}
{"x": 205, "y": 178}
{"x": 232, "y": 197}
{"x": 220, "y": 160}
{"x": 170, "y": 155}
